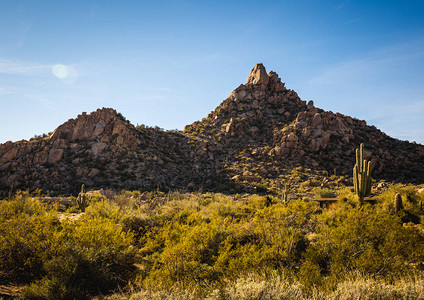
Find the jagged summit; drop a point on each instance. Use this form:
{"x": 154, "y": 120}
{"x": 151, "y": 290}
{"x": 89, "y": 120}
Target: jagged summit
{"x": 252, "y": 111}
{"x": 258, "y": 76}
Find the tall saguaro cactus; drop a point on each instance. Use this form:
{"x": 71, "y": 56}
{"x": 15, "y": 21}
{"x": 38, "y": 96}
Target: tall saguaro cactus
{"x": 362, "y": 175}
{"x": 82, "y": 199}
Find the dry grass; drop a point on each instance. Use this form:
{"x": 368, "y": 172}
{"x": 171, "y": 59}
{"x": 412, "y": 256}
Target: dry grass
{"x": 367, "y": 289}
{"x": 256, "y": 287}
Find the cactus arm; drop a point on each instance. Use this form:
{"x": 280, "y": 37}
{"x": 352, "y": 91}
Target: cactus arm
{"x": 355, "y": 179}
{"x": 358, "y": 159}
{"x": 369, "y": 181}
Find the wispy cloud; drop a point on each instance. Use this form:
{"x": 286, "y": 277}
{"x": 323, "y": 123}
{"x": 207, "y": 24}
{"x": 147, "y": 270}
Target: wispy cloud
{"x": 4, "y": 90}
{"x": 22, "y": 68}
{"x": 41, "y": 99}
{"x": 341, "y": 5}
{"x": 67, "y": 74}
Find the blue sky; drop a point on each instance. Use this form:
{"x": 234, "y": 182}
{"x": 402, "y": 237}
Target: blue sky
{"x": 169, "y": 63}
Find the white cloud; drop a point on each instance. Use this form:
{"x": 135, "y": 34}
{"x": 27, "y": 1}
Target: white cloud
{"x": 6, "y": 90}
{"x": 22, "y": 68}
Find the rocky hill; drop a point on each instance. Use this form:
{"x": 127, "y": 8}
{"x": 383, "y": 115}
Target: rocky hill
{"x": 102, "y": 150}
{"x": 261, "y": 135}
{"x": 267, "y": 129}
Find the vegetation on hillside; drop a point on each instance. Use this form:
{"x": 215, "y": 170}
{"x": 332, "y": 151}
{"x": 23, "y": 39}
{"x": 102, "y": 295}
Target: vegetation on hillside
{"x": 199, "y": 245}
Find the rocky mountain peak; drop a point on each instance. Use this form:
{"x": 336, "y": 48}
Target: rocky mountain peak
{"x": 258, "y": 76}
{"x": 262, "y": 120}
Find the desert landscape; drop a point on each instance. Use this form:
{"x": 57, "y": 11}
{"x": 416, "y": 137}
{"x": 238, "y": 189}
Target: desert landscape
{"x": 265, "y": 198}
{"x": 268, "y": 196}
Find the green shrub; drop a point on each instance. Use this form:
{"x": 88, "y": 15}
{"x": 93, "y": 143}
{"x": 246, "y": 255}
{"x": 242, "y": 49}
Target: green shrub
{"x": 324, "y": 193}
{"x": 368, "y": 241}
{"x": 68, "y": 259}
{"x": 194, "y": 245}
{"x": 92, "y": 255}
{"x": 27, "y": 234}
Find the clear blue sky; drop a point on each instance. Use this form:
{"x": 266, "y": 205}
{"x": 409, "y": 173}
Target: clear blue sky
{"x": 169, "y": 63}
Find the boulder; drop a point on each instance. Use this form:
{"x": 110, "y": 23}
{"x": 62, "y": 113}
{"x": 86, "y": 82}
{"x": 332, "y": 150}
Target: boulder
{"x": 9, "y": 155}
{"x": 93, "y": 172}
{"x": 316, "y": 121}
{"x": 55, "y": 155}
{"x": 97, "y": 148}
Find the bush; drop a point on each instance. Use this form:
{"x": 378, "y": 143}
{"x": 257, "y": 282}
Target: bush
{"x": 368, "y": 241}
{"x": 27, "y": 236}
{"x": 71, "y": 259}
{"x": 93, "y": 255}
{"x": 194, "y": 245}
{"x": 324, "y": 193}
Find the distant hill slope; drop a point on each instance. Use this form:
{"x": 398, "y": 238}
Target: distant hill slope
{"x": 254, "y": 138}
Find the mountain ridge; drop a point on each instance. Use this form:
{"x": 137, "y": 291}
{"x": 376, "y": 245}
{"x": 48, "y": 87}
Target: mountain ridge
{"x": 254, "y": 139}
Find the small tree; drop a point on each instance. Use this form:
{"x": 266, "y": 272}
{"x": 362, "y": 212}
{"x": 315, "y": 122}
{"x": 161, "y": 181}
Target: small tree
{"x": 362, "y": 175}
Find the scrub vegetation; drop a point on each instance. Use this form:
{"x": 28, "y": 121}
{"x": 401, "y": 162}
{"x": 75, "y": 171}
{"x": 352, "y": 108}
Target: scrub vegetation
{"x": 151, "y": 245}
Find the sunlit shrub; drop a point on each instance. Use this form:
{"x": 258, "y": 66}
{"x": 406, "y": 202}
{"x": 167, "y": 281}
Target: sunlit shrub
{"x": 27, "y": 230}
{"x": 369, "y": 241}
{"x": 324, "y": 193}
{"x": 68, "y": 259}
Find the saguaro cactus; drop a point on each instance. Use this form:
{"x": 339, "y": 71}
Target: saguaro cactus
{"x": 362, "y": 175}
{"x": 398, "y": 203}
{"x": 82, "y": 199}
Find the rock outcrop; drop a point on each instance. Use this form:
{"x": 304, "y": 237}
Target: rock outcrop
{"x": 104, "y": 123}
{"x": 257, "y": 137}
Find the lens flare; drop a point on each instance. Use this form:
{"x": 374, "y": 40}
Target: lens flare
{"x": 60, "y": 71}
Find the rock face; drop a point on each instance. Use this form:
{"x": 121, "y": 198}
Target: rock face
{"x": 260, "y": 133}
{"x": 104, "y": 123}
